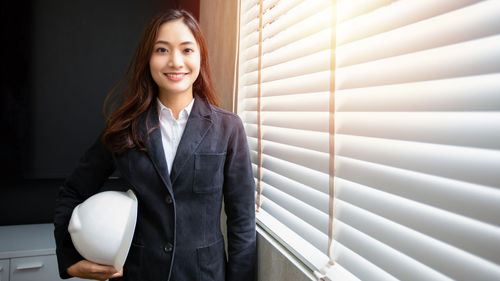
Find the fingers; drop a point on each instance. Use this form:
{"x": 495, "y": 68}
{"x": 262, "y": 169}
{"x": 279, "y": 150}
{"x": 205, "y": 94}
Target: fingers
{"x": 90, "y": 270}
{"x": 118, "y": 274}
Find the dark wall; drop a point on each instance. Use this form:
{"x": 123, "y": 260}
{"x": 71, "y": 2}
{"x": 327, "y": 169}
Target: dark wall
{"x": 59, "y": 60}
{"x": 14, "y": 69}
{"x": 192, "y": 6}
{"x": 82, "y": 49}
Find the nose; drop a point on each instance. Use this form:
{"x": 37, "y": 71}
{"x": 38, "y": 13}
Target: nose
{"x": 175, "y": 60}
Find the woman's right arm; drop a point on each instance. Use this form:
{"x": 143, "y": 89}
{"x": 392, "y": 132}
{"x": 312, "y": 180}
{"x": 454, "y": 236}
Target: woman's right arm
{"x": 93, "y": 169}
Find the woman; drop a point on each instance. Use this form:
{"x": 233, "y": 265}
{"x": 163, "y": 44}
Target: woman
{"x": 180, "y": 182}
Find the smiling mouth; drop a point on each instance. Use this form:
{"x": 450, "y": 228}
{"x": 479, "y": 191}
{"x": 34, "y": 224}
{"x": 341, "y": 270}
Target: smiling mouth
{"x": 175, "y": 76}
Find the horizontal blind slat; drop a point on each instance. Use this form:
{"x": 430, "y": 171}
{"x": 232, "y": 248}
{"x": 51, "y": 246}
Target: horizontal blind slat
{"x": 433, "y": 127}
{"x": 469, "y": 58}
{"x": 248, "y": 91}
{"x": 251, "y": 130}
{"x": 249, "y": 117}
{"x": 246, "y": 105}
{"x": 392, "y": 16}
{"x": 316, "y": 62}
{"x": 306, "y": 194}
{"x": 251, "y": 39}
{"x": 448, "y": 194}
{"x": 435, "y": 254}
{"x": 462, "y": 163}
{"x": 302, "y": 249}
{"x": 297, "y": 102}
{"x": 268, "y": 5}
{"x": 309, "y": 26}
{"x": 291, "y": 68}
{"x": 302, "y": 228}
{"x": 250, "y": 65}
{"x": 305, "y": 157}
{"x": 472, "y": 22}
{"x": 250, "y": 13}
{"x": 301, "y": 174}
{"x": 452, "y": 229}
{"x": 359, "y": 266}
{"x": 298, "y": 48}
{"x": 305, "y": 212}
{"x": 248, "y": 4}
{"x": 318, "y": 141}
{"x": 250, "y": 78}
{"x": 304, "y": 10}
{"x": 347, "y": 9}
{"x": 252, "y": 143}
{"x": 474, "y": 57}
{"x": 477, "y": 93}
{"x": 315, "y": 82}
{"x": 250, "y": 27}
{"x": 249, "y": 52}
{"x": 388, "y": 259}
{"x": 280, "y": 8}
{"x": 313, "y": 121}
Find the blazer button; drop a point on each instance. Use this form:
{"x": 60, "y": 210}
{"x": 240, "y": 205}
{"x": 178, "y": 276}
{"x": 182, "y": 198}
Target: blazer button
{"x": 168, "y": 248}
{"x": 168, "y": 199}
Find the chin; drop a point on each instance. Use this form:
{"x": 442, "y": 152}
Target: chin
{"x": 176, "y": 91}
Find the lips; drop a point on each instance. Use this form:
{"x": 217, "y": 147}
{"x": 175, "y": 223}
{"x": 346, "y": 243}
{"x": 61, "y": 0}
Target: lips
{"x": 177, "y": 76}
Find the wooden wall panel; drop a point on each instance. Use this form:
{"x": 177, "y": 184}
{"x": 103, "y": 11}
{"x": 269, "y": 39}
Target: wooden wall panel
{"x": 218, "y": 20}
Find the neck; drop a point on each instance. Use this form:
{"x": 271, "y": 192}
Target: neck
{"x": 176, "y": 102}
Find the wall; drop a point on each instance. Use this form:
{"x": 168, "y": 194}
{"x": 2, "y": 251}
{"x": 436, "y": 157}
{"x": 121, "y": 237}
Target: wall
{"x": 276, "y": 263}
{"x": 193, "y": 6}
{"x": 59, "y": 60}
{"x": 218, "y": 20}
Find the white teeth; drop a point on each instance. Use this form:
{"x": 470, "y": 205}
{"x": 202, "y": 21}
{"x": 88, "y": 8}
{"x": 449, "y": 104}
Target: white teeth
{"x": 175, "y": 75}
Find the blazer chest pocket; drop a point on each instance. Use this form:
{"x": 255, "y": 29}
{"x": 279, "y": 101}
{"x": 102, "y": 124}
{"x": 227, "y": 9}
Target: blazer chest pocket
{"x": 208, "y": 172}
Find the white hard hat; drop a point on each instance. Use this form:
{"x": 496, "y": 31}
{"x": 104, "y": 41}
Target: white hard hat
{"x": 102, "y": 227}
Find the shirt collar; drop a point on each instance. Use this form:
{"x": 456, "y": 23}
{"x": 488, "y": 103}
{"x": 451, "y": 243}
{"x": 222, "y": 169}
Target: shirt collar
{"x": 184, "y": 112}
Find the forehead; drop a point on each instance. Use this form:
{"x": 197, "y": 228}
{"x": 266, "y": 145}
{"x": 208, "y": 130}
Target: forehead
{"x": 175, "y": 32}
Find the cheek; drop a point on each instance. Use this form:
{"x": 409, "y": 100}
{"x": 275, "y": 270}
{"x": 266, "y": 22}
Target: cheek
{"x": 195, "y": 64}
{"x": 154, "y": 65}
{"x": 154, "y": 70}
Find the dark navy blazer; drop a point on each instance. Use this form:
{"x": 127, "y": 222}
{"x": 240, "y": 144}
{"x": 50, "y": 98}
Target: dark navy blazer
{"x": 178, "y": 235}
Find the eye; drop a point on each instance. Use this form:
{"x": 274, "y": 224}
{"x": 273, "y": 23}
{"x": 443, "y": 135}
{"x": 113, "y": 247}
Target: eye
{"x": 188, "y": 50}
{"x": 161, "y": 50}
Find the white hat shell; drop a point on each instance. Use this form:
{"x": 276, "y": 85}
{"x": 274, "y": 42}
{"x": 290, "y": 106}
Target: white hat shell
{"x": 102, "y": 227}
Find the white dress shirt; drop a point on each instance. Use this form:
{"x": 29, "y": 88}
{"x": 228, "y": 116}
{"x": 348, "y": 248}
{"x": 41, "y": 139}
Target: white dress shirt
{"x": 171, "y": 130}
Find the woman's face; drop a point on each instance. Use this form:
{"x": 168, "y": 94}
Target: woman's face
{"x": 175, "y": 62}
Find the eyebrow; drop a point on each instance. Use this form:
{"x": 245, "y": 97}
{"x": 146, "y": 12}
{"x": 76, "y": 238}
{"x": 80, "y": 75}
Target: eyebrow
{"x": 168, "y": 43}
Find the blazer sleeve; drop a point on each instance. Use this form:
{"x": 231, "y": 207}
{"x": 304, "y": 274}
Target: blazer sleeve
{"x": 239, "y": 204}
{"x": 92, "y": 171}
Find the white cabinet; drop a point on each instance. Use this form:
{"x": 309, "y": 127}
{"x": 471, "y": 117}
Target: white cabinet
{"x": 28, "y": 252}
{"x": 4, "y": 270}
{"x": 34, "y": 268}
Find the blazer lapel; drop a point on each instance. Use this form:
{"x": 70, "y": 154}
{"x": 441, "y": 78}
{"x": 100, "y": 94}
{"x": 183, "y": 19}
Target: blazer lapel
{"x": 154, "y": 148}
{"x": 198, "y": 124}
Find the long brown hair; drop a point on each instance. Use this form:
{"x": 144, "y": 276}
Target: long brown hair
{"x": 139, "y": 95}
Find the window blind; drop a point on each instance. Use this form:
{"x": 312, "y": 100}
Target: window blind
{"x": 283, "y": 99}
{"x": 374, "y": 129}
{"x": 418, "y": 140}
